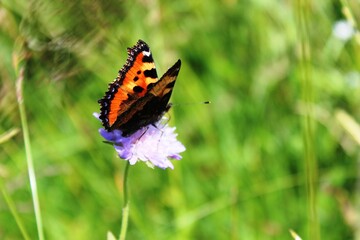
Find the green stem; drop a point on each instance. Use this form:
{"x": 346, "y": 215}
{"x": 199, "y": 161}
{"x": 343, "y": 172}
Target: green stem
{"x": 125, "y": 210}
{"x": 29, "y": 160}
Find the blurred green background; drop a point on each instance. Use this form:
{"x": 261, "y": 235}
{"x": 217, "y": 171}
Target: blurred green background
{"x": 258, "y": 162}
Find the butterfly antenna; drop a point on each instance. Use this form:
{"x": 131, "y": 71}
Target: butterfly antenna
{"x": 189, "y": 103}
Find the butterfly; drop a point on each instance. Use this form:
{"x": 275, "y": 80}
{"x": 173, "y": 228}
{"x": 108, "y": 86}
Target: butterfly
{"x": 137, "y": 98}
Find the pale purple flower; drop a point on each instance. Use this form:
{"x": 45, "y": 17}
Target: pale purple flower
{"x": 154, "y": 144}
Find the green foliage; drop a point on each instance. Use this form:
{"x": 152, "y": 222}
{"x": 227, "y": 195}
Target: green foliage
{"x": 244, "y": 174}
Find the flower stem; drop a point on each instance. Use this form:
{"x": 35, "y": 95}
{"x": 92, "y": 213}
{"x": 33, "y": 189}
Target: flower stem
{"x": 125, "y": 210}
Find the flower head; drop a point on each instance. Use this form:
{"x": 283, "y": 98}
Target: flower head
{"x": 154, "y": 144}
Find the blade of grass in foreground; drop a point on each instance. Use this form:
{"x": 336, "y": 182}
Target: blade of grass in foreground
{"x": 10, "y": 203}
{"x": 14, "y": 212}
{"x": 30, "y": 164}
{"x": 303, "y": 20}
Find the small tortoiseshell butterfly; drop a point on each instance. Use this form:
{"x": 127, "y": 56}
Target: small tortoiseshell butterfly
{"x": 137, "y": 97}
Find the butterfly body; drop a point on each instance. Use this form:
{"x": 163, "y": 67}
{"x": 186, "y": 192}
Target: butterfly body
{"x": 137, "y": 97}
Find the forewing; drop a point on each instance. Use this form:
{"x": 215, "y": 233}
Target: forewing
{"x": 153, "y": 105}
{"x": 133, "y": 82}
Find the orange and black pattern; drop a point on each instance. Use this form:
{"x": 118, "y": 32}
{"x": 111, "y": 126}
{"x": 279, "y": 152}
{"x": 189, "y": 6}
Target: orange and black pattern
{"x": 137, "y": 97}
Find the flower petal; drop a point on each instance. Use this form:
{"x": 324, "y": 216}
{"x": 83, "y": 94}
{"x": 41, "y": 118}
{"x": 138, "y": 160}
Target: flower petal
{"x": 154, "y": 144}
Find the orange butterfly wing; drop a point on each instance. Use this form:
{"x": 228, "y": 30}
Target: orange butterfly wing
{"x": 137, "y": 98}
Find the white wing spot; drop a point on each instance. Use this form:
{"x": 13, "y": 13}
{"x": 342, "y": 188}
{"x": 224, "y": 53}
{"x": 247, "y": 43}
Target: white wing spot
{"x": 146, "y": 53}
